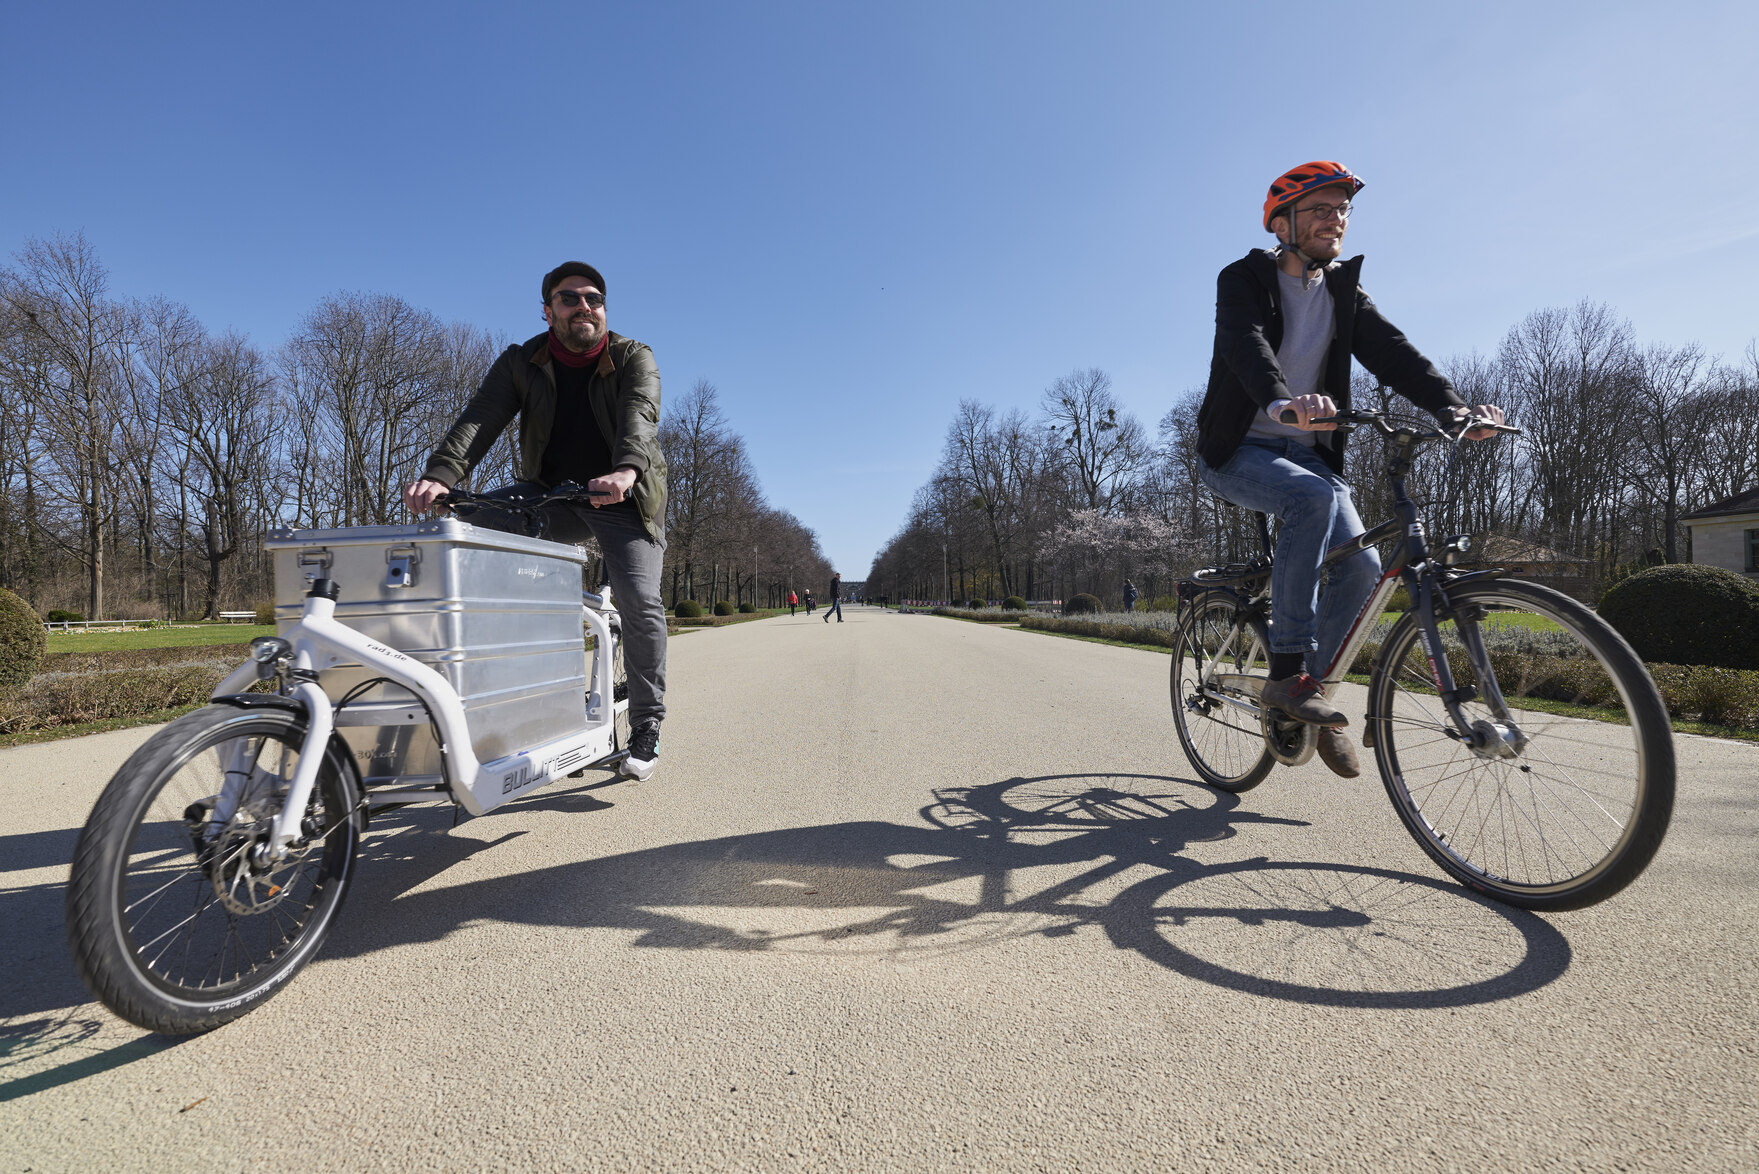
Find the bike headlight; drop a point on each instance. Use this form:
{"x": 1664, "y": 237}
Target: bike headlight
{"x": 266, "y": 650}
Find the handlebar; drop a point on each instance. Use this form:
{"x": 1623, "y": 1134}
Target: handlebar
{"x": 529, "y": 506}
{"x": 1379, "y": 420}
{"x": 571, "y": 492}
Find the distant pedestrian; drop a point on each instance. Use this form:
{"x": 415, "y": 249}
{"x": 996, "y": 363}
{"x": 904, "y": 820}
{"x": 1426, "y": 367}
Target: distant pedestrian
{"x": 836, "y": 603}
{"x": 793, "y": 599}
{"x": 809, "y": 603}
{"x": 1129, "y": 595}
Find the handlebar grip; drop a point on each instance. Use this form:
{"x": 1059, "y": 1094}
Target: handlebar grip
{"x": 1288, "y": 416}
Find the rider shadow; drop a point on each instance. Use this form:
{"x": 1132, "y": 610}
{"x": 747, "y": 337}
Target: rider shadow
{"x": 1029, "y": 857}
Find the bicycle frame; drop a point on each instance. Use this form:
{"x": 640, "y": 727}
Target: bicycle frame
{"x": 1410, "y": 563}
{"x": 320, "y": 641}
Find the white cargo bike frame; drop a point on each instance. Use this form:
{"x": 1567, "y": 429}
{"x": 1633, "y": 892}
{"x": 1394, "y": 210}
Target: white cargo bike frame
{"x": 318, "y": 641}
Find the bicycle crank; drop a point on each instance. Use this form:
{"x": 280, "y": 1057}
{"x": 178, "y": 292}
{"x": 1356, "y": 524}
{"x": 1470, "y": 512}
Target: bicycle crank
{"x": 1291, "y": 742}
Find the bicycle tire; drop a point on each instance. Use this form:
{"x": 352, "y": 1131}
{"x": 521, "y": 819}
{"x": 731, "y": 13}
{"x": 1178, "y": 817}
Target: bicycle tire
{"x": 1565, "y": 818}
{"x": 1224, "y": 742}
{"x": 145, "y": 860}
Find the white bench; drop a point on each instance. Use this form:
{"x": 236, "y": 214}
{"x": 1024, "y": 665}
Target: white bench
{"x": 248, "y": 617}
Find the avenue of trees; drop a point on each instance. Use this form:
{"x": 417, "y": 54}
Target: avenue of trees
{"x": 144, "y": 458}
{"x": 1621, "y": 440}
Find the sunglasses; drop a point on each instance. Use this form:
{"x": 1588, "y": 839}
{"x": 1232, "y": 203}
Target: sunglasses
{"x": 570, "y": 299}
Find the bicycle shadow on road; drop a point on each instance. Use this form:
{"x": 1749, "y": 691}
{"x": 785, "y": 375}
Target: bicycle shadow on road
{"x": 1042, "y": 857}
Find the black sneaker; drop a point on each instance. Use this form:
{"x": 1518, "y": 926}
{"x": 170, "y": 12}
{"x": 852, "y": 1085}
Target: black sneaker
{"x": 644, "y": 751}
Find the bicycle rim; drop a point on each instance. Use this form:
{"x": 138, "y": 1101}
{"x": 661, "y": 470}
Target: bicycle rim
{"x": 1218, "y": 724}
{"x": 1570, "y": 803}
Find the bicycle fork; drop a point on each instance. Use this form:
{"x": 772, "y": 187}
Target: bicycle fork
{"x": 1500, "y": 738}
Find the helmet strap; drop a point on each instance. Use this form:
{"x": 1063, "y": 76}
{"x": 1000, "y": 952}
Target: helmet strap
{"x": 1307, "y": 263}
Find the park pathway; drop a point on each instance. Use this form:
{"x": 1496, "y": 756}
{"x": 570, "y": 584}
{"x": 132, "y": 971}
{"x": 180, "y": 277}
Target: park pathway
{"x": 915, "y": 894}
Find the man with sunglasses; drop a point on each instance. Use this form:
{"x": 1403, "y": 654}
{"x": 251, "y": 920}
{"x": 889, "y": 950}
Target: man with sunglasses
{"x": 588, "y": 403}
{"x": 1288, "y": 322}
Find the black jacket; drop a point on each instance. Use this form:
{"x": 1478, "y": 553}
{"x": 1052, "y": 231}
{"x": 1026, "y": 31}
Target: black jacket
{"x": 1244, "y": 376}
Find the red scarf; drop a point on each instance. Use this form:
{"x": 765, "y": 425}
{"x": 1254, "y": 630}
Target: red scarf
{"x": 570, "y": 359}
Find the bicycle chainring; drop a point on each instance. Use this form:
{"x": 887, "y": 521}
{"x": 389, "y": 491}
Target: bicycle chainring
{"x": 1291, "y": 742}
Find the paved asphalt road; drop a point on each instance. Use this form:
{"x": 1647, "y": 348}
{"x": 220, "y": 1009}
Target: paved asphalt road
{"x": 861, "y": 920}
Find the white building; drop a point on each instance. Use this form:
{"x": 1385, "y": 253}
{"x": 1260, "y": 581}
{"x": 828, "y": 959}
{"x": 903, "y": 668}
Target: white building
{"x": 1726, "y": 533}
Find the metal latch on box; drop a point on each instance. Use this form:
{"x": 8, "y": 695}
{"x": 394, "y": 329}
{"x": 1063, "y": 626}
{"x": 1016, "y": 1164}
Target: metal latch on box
{"x": 319, "y": 558}
{"x": 401, "y": 565}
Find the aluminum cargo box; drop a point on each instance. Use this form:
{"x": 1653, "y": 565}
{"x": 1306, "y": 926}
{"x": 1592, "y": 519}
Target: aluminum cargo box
{"x": 498, "y": 615}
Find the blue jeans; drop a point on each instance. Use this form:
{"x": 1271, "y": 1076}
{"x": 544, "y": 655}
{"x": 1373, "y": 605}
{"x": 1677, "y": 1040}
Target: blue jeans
{"x": 1291, "y": 481}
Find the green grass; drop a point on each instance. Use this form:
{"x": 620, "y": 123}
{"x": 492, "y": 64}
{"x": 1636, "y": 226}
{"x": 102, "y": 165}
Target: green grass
{"x": 158, "y": 637}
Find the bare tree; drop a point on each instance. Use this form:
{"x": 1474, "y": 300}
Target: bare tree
{"x": 1668, "y": 405}
{"x": 60, "y": 289}
{"x": 1102, "y": 446}
{"x": 365, "y": 366}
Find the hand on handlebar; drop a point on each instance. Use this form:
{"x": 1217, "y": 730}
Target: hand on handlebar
{"x": 423, "y": 496}
{"x": 612, "y": 488}
{"x": 1490, "y": 414}
{"x": 1306, "y": 412}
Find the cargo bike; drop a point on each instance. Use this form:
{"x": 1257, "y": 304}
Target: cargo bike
{"x": 436, "y": 661}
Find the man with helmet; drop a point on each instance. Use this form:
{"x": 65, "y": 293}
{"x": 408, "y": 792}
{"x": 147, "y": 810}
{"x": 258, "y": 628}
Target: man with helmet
{"x": 1288, "y": 322}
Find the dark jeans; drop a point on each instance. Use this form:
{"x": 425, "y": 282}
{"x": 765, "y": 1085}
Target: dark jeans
{"x": 835, "y": 605}
{"x": 633, "y": 562}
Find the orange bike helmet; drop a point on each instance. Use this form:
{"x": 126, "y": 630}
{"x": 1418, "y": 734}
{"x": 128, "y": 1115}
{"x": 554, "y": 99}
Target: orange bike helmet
{"x": 1293, "y": 184}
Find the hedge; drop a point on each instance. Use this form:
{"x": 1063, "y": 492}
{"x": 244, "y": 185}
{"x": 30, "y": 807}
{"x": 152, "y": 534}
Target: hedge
{"x": 1125, "y": 632}
{"x": 982, "y": 615}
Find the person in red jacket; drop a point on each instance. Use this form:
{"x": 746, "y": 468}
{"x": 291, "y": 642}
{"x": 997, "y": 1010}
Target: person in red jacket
{"x": 1288, "y": 322}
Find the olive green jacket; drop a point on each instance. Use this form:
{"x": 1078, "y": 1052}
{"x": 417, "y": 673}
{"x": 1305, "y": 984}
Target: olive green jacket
{"x": 625, "y": 397}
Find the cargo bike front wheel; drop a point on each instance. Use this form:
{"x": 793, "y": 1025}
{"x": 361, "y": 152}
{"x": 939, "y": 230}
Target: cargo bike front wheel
{"x": 178, "y": 922}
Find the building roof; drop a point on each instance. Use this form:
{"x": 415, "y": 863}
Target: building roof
{"x": 1740, "y": 503}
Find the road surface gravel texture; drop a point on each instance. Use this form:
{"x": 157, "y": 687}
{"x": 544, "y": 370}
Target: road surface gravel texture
{"x": 915, "y": 894}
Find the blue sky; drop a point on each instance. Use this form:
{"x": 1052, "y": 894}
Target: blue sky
{"x": 850, "y": 217}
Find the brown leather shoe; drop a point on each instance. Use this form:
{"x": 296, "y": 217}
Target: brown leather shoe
{"x": 1338, "y": 752}
{"x": 1303, "y": 698}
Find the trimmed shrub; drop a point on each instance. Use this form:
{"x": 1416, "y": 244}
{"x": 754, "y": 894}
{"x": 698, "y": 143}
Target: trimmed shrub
{"x": 978, "y": 604}
{"x": 1687, "y": 614}
{"x": 688, "y": 609}
{"x": 1399, "y": 600}
{"x": 62, "y": 699}
{"x": 746, "y": 609}
{"x": 22, "y": 640}
{"x": 992, "y": 616}
{"x": 723, "y": 607}
{"x": 1163, "y": 603}
{"x": 1082, "y": 604}
{"x": 1124, "y": 632}
{"x": 60, "y": 616}
{"x": 1014, "y": 603}
{"x": 265, "y": 613}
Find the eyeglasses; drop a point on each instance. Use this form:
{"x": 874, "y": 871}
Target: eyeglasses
{"x": 1327, "y": 211}
{"x": 570, "y": 298}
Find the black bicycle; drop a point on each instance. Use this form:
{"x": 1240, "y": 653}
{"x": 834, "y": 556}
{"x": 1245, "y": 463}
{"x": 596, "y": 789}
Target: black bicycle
{"x": 1521, "y": 740}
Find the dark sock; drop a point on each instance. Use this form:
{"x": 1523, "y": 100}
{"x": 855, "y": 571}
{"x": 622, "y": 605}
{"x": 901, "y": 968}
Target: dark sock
{"x": 1287, "y": 664}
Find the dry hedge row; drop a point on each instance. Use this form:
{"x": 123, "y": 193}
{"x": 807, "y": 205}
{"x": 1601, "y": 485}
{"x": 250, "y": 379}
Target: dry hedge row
{"x": 134, "y": 658}
{"x": 68, "y": 698}
{"x": 1714, "y": 696}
